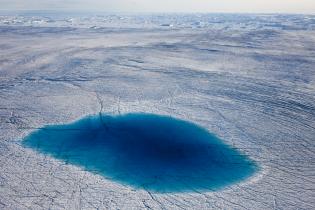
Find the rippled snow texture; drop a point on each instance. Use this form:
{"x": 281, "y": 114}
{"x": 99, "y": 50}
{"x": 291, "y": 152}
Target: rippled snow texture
{"x": 249, "y": 79}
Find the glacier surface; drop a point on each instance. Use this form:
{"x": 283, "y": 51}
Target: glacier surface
{"x": 249, "y": 79}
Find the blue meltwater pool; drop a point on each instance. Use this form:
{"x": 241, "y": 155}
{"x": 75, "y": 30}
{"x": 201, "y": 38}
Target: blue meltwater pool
{"x": 146, "y": 151}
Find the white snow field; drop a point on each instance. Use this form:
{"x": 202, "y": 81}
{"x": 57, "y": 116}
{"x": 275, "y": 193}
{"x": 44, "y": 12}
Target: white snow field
{"x": 249, "y": 79}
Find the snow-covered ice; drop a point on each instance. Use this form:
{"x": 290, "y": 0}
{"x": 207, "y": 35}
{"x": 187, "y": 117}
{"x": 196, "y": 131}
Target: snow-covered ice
{"x": 249, "y": 79}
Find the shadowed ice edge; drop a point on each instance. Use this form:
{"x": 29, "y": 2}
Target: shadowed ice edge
{"x": 146, "y": 151}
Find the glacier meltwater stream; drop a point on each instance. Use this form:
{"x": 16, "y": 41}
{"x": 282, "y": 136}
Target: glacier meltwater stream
{"x": 146, "y": 151}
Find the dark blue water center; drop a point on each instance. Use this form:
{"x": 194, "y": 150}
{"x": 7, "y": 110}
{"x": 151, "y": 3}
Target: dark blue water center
{"x": 157, "y": 153}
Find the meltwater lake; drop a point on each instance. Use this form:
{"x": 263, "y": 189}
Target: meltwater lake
{"x": 145, "y": 151}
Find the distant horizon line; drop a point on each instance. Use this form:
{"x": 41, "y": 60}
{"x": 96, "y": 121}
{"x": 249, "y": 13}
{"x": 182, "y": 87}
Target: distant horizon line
{"x": 155, "y": 12}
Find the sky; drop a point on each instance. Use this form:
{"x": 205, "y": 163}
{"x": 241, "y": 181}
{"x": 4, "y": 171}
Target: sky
{"x": 234, "y": 6}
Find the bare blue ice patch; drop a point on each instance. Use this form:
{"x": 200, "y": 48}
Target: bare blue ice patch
{"x": 152, "y": 152}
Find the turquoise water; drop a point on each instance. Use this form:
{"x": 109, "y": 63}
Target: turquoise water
{"x": 152, "y": 152}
